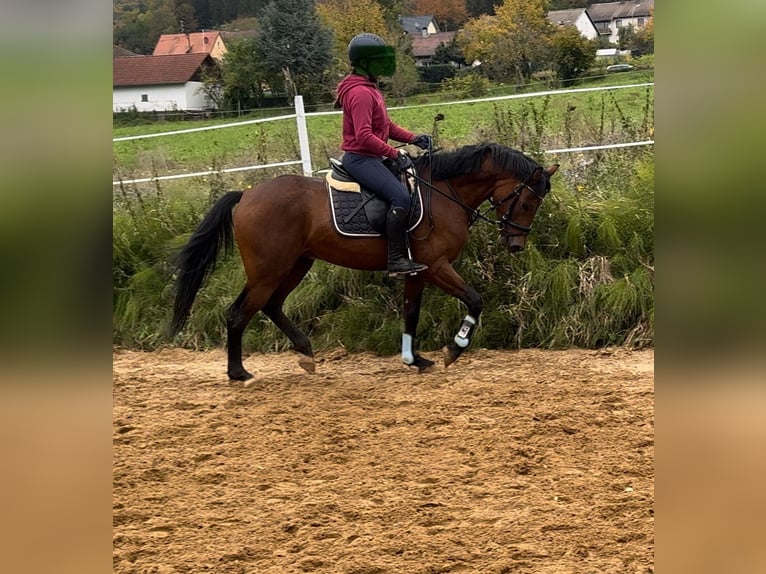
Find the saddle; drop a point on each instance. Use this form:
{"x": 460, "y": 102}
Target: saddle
{"x": 357, "y": 211}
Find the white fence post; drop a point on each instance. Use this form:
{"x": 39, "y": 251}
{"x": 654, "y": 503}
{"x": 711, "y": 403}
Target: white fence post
{"x": 303, "y": 136}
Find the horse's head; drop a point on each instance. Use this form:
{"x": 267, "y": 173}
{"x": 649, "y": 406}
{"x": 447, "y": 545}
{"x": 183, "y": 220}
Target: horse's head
{"x": 516, "y": 203}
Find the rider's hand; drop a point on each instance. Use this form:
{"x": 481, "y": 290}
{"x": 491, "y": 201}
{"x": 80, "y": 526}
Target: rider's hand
{"x": 423, "y": 141}
{"x": 403, "y": 161}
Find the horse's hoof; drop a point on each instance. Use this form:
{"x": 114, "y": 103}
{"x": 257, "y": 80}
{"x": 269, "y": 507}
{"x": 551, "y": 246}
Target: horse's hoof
{"x": 242, "y": 375}
{"x": 448, "y": 358}
{"x": 307, "y": 364}
{"x": 451, "y": 354}
{"x": 422, "y": 364}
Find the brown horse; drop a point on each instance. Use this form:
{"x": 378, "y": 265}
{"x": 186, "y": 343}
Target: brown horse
{"x": 282, "y": 226}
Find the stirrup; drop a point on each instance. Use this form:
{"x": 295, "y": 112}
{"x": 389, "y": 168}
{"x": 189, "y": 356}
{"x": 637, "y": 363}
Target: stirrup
{"x": 414, "y": 269}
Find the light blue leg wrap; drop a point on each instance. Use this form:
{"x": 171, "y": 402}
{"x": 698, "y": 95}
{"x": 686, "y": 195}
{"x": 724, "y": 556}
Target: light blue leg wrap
{"x": 407, "y": 355}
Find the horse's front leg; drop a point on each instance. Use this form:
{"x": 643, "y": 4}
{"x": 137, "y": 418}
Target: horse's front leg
{"x": 413, "y": 294}
{"x": 447, "y": 279}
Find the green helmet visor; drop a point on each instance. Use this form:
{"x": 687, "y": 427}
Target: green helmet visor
{"x": 377, "y": 60}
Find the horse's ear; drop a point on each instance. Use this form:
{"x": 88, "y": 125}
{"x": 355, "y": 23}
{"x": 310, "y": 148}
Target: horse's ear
{"x": 551, "y": 170}
{"x": 535, "y": 176}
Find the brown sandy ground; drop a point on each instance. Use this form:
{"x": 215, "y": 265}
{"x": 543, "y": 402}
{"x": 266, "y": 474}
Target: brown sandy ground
{"x": 524, "y": 462}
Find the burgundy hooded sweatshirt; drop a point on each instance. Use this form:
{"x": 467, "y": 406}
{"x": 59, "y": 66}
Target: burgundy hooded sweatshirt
{"x": 366, "y": 125}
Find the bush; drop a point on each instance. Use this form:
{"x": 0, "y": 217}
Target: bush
{"x": 469, "y": 85}
{"x": 436, "y": 73}
{"x": 586, "y": 278}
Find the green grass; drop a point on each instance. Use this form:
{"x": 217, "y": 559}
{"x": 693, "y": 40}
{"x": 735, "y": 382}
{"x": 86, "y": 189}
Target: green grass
{"x": 534, "y": 124}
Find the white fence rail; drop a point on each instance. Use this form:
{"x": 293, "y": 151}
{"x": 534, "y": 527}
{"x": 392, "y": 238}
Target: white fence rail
{"x": 300, "y": 116}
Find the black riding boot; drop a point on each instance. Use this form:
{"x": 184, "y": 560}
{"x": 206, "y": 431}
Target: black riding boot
{"x": 396, "y": 230}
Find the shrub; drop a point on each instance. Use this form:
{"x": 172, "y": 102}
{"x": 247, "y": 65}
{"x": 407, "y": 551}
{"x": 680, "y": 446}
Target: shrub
{"x": 467, "y": 85}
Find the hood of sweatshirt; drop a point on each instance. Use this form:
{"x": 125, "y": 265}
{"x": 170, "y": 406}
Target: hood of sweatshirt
{"x": 348, "y": 83}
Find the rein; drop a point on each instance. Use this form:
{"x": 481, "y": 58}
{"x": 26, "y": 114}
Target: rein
{"x": 475, "y": 214}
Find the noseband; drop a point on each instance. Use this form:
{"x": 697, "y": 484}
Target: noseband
{"x": 505, "y": 221}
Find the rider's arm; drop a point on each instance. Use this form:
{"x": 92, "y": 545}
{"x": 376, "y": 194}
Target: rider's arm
{"x": 360, "y": 104}
{"x": 399, "y": 134}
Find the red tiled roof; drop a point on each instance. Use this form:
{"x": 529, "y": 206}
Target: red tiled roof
{"x": 425, "y": 47}
{"x": 152, "y": 70}
{"x": 185, "y": 43}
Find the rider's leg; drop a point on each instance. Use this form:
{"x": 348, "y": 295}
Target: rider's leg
{"x": 372, "y": 174}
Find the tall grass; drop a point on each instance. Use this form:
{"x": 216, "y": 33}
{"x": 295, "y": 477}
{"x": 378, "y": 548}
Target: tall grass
{"x": 586, "y": 278}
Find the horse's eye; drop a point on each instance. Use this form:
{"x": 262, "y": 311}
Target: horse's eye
{"x": 525, "y": 206}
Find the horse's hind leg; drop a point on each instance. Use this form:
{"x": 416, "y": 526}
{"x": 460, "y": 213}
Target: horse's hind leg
{"x": 259, "y": 297}
{"x": 238, "y": 315}
{"x": 273, "y": 309}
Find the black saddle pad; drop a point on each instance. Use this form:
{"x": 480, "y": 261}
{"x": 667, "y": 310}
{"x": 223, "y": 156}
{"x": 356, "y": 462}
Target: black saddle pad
{"x": 363, "y": 214}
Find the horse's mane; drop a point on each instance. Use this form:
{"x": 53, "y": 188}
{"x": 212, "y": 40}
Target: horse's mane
{"x": 468, "y": 159}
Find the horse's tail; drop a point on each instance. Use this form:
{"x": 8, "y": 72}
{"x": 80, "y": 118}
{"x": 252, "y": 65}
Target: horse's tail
{"x": 198, "y": 257}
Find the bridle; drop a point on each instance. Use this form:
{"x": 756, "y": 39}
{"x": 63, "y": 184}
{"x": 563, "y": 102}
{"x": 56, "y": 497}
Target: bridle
{"x": 505, "y": 222}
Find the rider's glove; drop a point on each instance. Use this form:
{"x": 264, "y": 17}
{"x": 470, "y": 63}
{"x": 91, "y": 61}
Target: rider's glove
{"x": 423, "y": 141}
{"x": 403, "y": 161}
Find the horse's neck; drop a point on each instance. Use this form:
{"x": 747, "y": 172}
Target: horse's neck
{"x": 472, "y": 190}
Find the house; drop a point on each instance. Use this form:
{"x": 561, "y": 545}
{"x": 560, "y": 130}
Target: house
{"x": 424, "y": 47}
{"x": 579, "y": 18}
{"x": 426, "y": 36}
{"x": 609, "y": 17}
{"x": 419, "y": 25}
{"x": 206, "y": 42}
{"x": 160, "y": 83}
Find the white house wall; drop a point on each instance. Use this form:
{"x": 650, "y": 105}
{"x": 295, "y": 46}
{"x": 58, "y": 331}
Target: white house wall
{"x": 614, "y": 29}
{"x": 586, "y": 28}
{"x": 160, "y": 98}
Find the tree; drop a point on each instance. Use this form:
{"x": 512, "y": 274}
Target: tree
{"x": 212, "y": 13}
{"x": 450, "y": 14}
{"x": 187, "y": 18}
{"x": 212, "y": 86}
{"x": 644, "y": 40}
{"x": 626, "y": 37}
{"x": 405, "y": 79}
{"x": 573, "y": 54}
{"x": 513, "y": 43}
{"x": 243, "y": 74}
{"x": 161, "y": 20}
{"x": 448, "y": 53}
{"x": 568, "y": 4}
{"x": 139, "y": 30}
{"x": 294, "y": 44}
{"x": 392, "y": 9}
{"x": 442, "y": 67}
{"x": 347, "y": 18}
{"x": 476, "y": 8}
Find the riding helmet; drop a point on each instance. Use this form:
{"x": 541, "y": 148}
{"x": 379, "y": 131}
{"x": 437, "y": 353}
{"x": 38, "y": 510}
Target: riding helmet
{"x": 369, "y": 52}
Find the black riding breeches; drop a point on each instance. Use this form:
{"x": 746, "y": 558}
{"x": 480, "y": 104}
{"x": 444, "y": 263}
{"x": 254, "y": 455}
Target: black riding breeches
{"x": 372, "y": 174}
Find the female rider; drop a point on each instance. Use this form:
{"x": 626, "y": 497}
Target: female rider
{"x": 366, "y": 131}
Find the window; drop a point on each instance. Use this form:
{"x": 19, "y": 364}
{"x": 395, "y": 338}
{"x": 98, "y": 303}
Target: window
{"x": 641, "y": 21}
{"x": 618, "y": 23}
{"x": 144, "y": 97}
